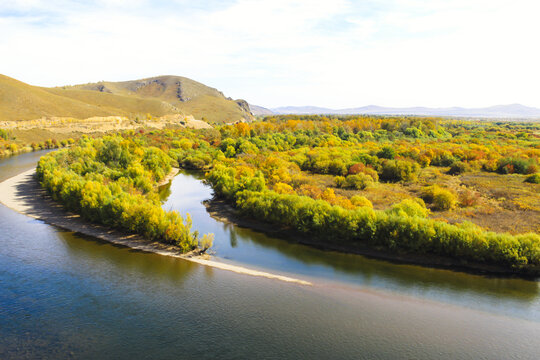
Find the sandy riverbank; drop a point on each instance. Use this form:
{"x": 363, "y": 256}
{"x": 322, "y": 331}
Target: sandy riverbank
{"x": 23, "y": 194}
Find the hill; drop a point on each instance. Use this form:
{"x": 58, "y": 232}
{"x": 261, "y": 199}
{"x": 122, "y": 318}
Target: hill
{"x": 516, "y": 111}
{"x": 155, "y": 96}
{"x": 259, "y": 110}
{"x": 185, "y": 95}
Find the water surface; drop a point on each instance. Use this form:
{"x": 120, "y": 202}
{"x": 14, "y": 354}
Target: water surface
{"x": 62, "y": 296}
{"x": 509, "y": 296}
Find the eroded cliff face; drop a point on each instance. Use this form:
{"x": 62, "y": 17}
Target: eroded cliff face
{"x": 243, "y": 104}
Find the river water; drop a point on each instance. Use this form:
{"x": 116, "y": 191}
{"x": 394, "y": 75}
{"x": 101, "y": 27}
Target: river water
{"x": 63, "y": 295}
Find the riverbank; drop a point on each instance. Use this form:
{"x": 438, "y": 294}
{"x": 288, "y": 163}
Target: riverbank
{"x": 226, "y": 213}
{"x": 168, "y": 177}
{"x": 23, "y": 194}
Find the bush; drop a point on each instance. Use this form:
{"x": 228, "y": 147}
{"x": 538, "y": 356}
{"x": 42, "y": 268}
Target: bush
{"x": 515, "y": 166}
{"x": 361, "y": 168}
{"x": 282, "y": 188}
{"x": 360, "y": 201}
{"x": 387, "y": 152}
{"x": 468, "y": 198}
{"x": 441, "y": 199}
{"x": 533, "y": 179}
{"x": 399, "y": 170}
{"x": 410, "y": 207}
{"x": 339, "y": 181}
{"x": 444, "y": 158}
{"x": 358, "y": 181}
{"x": 457, "y": 168}
{"x": 5, "y": 134}
{"x": 13, "y": 148}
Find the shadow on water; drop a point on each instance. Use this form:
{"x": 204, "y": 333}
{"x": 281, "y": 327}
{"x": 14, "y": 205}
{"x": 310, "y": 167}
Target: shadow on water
{"x": 95, "y": 251}
{"x": 403, "y": 274}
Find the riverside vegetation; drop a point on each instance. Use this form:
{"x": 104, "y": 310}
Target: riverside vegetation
{"x": 408, "y": 185}
{"x": 113, "y": 181}
{"x": 11, "y": 144}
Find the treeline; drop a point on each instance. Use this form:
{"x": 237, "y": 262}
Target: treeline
{"x": 9, "y": 144}
{"x": 404, "y": 227}
{"x": 332, "y": 147}
{"x": 113, "y": 181}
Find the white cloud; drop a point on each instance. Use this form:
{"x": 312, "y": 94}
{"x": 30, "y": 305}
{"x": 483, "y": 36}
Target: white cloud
{"x": 327, "y": 53}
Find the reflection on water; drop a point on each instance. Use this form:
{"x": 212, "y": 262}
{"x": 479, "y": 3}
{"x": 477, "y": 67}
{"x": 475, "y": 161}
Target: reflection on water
{"x": 67, "y": 296}
{"x": 518, "y": 297}
{"x": 95, "y": 252}
{"x": 14, "y": 165}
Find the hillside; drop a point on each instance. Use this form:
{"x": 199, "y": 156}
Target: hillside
{"x": 259, "y": 110}
{"x": 185, "y": 95}
{"x": 156, "y": 96}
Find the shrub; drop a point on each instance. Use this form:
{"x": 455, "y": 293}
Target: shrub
{"x": 399, "y": 170}
{"x": 5, "y": 134}
{"x": 361, "y": 168}
{"x": 360, "y": 201}
{"x": 442, "y": 199}
{"x": 533, "y": 179}
{"x": 13, "y": 148}
{"x": 515, "y": 165}
{"x": 339, "y": 181}
{"x": 410, "y": 207}
{"x": 184, "y": 144}
{"x": 392, "y": 229}
{"x": 337, "y": 167}
{"x": 359, "y": 181}
{"x": 230, "y": 152}
{"x": 468, "y": 198}
{"x": 457, "y": 168}
{"x": 282, "y": 188}
{"x": 444, "y": 158}
{"x": 387, "y": 152}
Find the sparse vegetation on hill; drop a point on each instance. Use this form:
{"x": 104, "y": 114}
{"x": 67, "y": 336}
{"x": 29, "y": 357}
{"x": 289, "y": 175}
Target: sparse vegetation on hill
{"x": 186, "y": 95}
{"x": 155, "y": 96}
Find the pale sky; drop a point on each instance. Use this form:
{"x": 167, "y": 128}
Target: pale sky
{"x": 333, "y": 53}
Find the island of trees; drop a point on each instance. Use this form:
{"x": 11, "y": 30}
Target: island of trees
{"x": 467, "y": 190}
{"x": 113, "y": 181}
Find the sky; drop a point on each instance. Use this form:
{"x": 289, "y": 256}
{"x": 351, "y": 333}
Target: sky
{"x": 333, "y": 53}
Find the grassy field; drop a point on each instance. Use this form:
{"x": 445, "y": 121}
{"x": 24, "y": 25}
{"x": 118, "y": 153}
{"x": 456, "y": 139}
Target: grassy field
{"x": 501, "y": 203}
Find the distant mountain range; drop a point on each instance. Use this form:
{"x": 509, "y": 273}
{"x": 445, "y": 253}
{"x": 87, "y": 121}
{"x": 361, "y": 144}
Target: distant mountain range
{"x": 498, "y": 111}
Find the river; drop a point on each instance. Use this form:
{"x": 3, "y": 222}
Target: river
{"x": 63, "y": 295}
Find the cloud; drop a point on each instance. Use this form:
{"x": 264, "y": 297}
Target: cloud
{"x": 329, "y": 53}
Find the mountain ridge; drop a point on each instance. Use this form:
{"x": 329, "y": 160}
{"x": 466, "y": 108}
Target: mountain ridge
{"x": 496, "y": 111}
